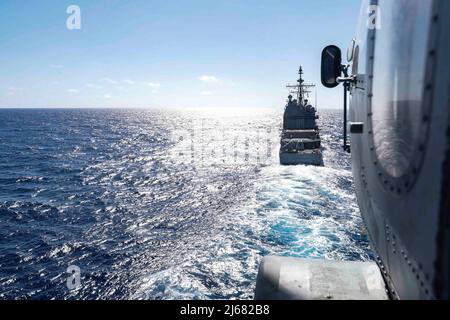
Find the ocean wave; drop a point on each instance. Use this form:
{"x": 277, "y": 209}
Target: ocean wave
{"x": 147, "y": 215}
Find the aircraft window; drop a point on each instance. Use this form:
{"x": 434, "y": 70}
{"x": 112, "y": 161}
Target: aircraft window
{"x": 399, "y": 75}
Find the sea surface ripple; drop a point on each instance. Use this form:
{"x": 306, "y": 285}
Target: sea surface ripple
{"x": 163, "y": 204}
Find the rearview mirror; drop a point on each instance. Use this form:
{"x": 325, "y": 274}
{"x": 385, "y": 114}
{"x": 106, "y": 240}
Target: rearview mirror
{"x": 331, "y": 66}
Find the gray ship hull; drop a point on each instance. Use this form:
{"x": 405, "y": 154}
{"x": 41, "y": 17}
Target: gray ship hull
{"x": 304, "y": 157}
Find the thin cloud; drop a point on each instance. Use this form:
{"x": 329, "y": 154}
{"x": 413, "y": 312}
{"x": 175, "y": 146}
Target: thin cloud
{"x": 107, "y": 96}
{"x": 109, "y": 80}
{"x": 128, "y": 81}
{"x": 154, "y": 85}
{"x": 12, "y": 90}
{"x": 56, "y": 66}
{"x": 206, "y": 93}
{"x": 208, "y": 79}
{"x": 74, "y": 91}
{"x": 93, "y": 86}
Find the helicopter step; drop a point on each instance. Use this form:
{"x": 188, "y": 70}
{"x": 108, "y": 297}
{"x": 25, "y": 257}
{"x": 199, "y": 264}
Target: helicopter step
{"x": 286, "y": 278}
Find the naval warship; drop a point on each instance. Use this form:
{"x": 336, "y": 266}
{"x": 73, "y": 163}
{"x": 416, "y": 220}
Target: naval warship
{"x": 300, "y": 137}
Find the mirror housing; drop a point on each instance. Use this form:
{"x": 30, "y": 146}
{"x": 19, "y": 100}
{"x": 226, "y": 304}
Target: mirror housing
{"x": 331, "y": 67}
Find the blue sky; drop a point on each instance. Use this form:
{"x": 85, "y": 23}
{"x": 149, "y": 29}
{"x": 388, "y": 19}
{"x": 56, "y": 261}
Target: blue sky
{"x": 145, "y": 53}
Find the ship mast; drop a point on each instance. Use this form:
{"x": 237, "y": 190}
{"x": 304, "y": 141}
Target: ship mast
{"x": 301, "y": 89}
{"x": 300, "y": 84}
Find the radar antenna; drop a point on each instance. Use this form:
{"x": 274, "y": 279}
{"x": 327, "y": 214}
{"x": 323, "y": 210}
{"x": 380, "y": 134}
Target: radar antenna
{"x": 301, "y": 89}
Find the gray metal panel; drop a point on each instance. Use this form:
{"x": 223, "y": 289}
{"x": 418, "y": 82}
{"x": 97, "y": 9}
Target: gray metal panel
{"x": 403, "y": 208}
{"x": 284, "y": 278}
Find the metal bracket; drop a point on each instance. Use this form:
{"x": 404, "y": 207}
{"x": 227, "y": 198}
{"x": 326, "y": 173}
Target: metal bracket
{"x": 349, "y": 79}
{"x": 346, "y": 80}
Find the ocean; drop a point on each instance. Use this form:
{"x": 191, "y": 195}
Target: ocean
{"x": 163, "y": 204}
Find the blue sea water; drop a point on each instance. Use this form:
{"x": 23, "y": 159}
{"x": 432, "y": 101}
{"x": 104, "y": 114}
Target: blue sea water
{"x": 163, "y": 204}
